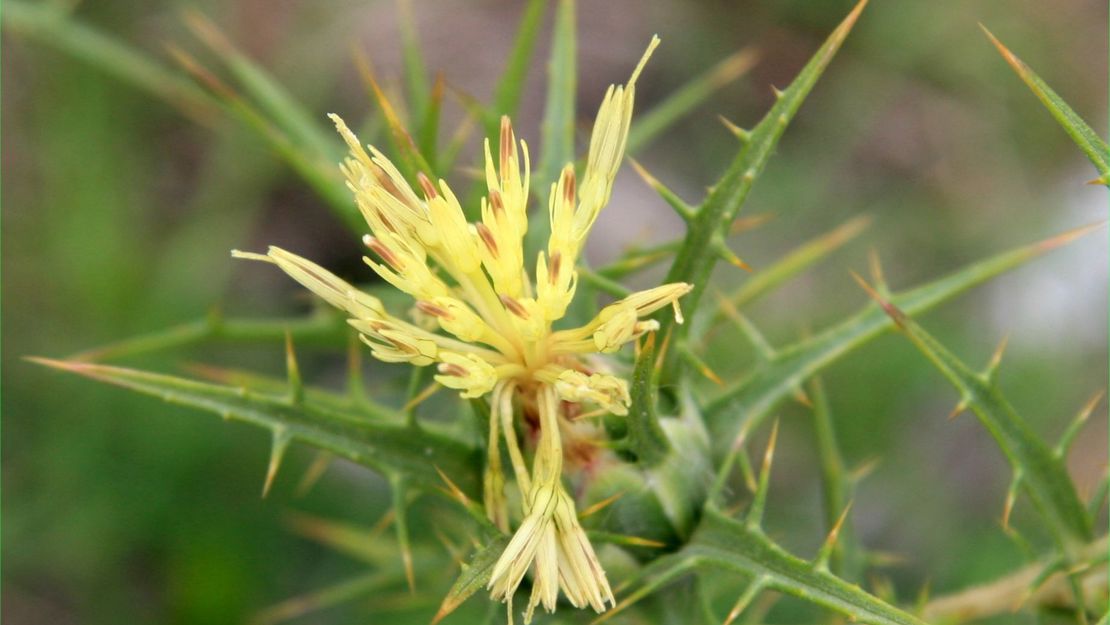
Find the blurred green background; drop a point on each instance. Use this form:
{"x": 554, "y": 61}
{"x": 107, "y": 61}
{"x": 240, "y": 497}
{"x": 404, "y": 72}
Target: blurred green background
{"x": 118, "y": 214}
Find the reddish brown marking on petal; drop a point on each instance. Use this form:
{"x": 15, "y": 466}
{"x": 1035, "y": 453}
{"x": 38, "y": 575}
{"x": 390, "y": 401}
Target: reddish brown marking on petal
{"x": 514, "y": 307}
{"x": 497, "y": 204}
{"x": 568, "y": 185}
{"x": 452, "y": 369}
{"x": 385, "y": 253}
{"x": 386, "y": 221}
{"x": 556, "y": 264}
{"x": 429, "y": 308}
{"x": 426, "y": 184}
{"x": 401, "y": 345}
{"x": 506, "y": 141}
{"x": 387, "y": 183}
{"x": 486, "y": 235}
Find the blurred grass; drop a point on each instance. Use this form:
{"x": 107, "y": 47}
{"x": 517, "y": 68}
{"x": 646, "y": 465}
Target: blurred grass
{"x": 118, "y": 214}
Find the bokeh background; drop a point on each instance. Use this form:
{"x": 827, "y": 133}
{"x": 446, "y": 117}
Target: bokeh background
{"x": 118, "y": 214}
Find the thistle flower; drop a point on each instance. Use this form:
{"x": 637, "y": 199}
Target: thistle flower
{"x": 497, "y": 335}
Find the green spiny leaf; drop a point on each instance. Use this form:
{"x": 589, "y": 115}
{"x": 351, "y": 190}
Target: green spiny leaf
{"x": 272, "y": 98}
{"x": 326, "y": 327}
{"x": 1082, "y": 134}
{"x": 695, "y": 259}
{"x": 1077, "y": 424}
{"x": 356, "y": 407}
{"x": 474, "y": 577}
{"x": 1043, "y": 475}
{"x": 413, "y": 452}
{"x": 723, "y": 543}
{"x": 796, "y": 261}
{"x": 743, "y": 406}
{"x": 53, "y": 27}
{"x": 684, "y": 210}
{"x": 323, "y": 177}
{"x": 280, "y": 443}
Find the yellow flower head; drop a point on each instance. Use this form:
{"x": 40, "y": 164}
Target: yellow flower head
{"x": 497, "y": 337}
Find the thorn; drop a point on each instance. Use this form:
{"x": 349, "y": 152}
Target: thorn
{"x": 649, "y": 587}
{"x": 745, "y": 600}
{"x": 996, "y": 358}
{"x": 400, "y": 524}
{"x": 624, "y": 539}
{"x": 743, "y": 135}
{"x": 400, "y": 134}
{"x": 842, "y": 30}
{"x": 421, "y": 397}
{"x": 875, "y": 266}
{"x": 684, "y": 210}
{"x": 382, "y": 524}
{"x": 1021, "y": 68}
{"x": 733, "y": 66}
{"x": 735, "y": 508}
{"x": 729, "y": 256}
{"x": 201, "y": 74}
{"x": 863, "y": 470}
{"x": 1019, "y": 540}
{"x": 1066, "y": 237}
{"x": 281, "y": 439}
{"x": 296, "y": 384}
{"x": 961, "y": 406}
{"x": 1011, "y": 499}
{"x": 1101, "y": 180}
{"x": 886, "y": 559}
{"x": 452, "y": 549}
{"x": 759, "y": 500}
{"x": 754, "y": 336}
{"x": 891, "y": 310}
{"x": 749, "y": 222}
{"x": 601, "y": 505}
{"x": 453, "y": 489}
{"x": 746, "y": 471}
{"x": 313, "y": 473}
{"x": 205, "y": 30}
{"x": 779, "y": 93}
{"x": 826, "y": 551}
{"x": 702, "y": 367}
{"x": 1077, "y": 424}
{"x": 801, "y": 397}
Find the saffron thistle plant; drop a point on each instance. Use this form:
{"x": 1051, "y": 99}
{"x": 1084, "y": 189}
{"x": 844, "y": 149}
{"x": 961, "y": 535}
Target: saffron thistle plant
{"x": 503, "y": 346}
{"x": 596, "y": 473}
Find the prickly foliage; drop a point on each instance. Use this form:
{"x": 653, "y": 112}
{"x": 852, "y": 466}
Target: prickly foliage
{"x": 668, "y": 501}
